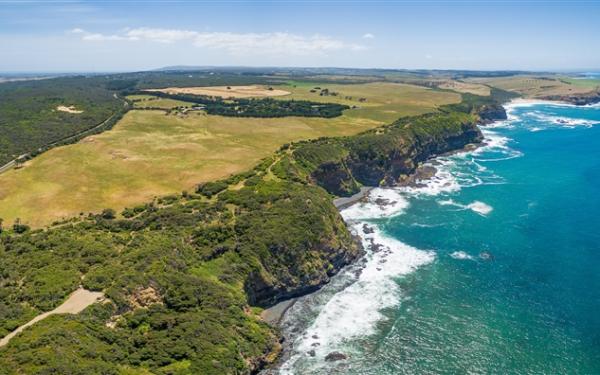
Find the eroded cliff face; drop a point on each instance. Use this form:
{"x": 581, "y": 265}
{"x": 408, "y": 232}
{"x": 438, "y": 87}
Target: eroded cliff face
{"x": 490, "y": 113}
{"x": 383, "y": 157}
{"x": 396, "y": 157}
{"x": 298, "y": 253}
{"x": 581, "y": 99}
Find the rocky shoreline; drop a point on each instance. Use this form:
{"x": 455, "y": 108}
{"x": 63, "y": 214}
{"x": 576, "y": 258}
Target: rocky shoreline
{"x": 424, "y": 169}
{"x": 274, "y": 315}
{"x": 580, "y": 100}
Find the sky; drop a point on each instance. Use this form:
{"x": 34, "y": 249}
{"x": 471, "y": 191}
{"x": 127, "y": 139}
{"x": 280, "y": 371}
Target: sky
{"x": 130, "y": 35}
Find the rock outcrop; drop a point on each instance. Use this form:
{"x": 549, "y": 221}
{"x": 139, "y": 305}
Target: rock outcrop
{"x": 576, "y": 99}
{"x": 490, "y": 113}
{"x": 386, "y": 157}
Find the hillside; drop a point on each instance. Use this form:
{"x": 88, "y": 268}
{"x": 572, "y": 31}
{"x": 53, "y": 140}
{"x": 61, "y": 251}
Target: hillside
{"x": 186, "y": 276}
{"x": 161, "y": 146}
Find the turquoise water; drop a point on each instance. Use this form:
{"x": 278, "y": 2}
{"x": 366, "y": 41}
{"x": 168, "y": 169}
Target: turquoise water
{"x": 491, "y": 267}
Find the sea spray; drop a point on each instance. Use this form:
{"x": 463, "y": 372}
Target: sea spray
{"x": 355, "y": 311}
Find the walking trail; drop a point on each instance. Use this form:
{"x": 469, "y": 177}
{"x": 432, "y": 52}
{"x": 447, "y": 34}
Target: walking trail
{"x": 77, "y": 301}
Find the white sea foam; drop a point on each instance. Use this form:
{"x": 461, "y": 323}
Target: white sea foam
{"x": 562, "y": 121}
{"x": 497, "y": 144}
{"x": 355, "y": 311}
{"x": 567, "y": 122}
{"x": 444, "y": 180}
{"x": 461, "y": 255}
{"x": 480, "y": 207}
{"x": 378, "y": 203}
{"x": 351, "y": 305}
{"x": 475, "y": 206}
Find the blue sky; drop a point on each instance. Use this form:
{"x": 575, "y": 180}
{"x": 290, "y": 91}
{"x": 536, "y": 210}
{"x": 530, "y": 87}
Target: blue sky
{"x": 138, "y": 35}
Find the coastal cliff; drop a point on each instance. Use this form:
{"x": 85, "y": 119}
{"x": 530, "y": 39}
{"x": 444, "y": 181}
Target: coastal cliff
{"x": 185, "y": 276}
{"x": 385, "y": 156}
{"x": 580, "y": 99}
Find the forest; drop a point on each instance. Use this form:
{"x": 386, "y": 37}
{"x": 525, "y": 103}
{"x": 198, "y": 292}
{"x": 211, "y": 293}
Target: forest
{"x": 29, "y": 118}
{"x": 254, "y": 107}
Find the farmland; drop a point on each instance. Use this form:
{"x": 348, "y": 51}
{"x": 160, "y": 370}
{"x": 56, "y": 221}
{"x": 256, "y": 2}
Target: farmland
{"x": 252, "y": 91}
{"x": 539, "y": 86}
{"x": 149, "y": 153}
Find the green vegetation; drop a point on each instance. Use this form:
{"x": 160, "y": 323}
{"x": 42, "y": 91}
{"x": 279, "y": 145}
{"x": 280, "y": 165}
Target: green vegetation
{"x": 263, "y": 107}
{"x": 197, "y": 257}
{"x": 186, "y": 275}
{"x": 183, "y": 272}
{"x": 589, "y": 83}
{"x": 30, "y": 120}
{"x": 147, "y": 154}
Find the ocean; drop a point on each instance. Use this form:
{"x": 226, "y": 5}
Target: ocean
{"x": 492, "y": 266}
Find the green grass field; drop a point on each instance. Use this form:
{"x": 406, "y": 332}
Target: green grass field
{"x": 149, "y": 153}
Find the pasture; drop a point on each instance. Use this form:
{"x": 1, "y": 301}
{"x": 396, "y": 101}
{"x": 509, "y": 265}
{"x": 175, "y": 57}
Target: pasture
{"x": 149, "y": 153}
{"x": 383, "y": 101}
{"x": 534, "y": 86}
{"x": 155, "y": 102}
{"x": 252, "y": 91}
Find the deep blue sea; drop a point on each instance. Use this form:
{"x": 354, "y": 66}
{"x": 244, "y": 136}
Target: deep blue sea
{"x": 493, "y": 266}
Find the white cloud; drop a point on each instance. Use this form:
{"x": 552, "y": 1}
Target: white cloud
{"x": 85, "y": 35}
{"x": 368, "y": 36}
{"x": 234, "y": 43}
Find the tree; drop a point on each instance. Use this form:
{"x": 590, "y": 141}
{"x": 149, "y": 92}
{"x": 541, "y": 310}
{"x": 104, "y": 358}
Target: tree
{"x": 19, "y": 227}
{"x": 108, "y": 214}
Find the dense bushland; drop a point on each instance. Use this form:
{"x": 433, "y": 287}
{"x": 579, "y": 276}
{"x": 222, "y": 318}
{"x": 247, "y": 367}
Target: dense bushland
{"x": 185, "y": 275}
{"x": 256, "y": 107}
{"x": 29, "y": 119}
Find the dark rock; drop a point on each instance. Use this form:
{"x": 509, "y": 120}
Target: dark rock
{"x": 576, "y": 99}
{"x": 376, "y": 247}
{"x": 312, "y": 353}
{"x": 395, "y": 158}
{"x": 335, "y": 356}
{"x": 491, "y": 112}
{"x": 367, "y": 229}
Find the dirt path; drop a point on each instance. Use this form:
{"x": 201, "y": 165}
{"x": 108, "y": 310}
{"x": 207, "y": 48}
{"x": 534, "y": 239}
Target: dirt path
{"x": 77, "y": 301}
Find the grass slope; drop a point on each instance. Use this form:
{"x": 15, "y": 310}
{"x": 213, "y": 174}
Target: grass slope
{"x": 148, "y": 153}
{"x": 385, "y": 101}
{"x": 538, "y": 86}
